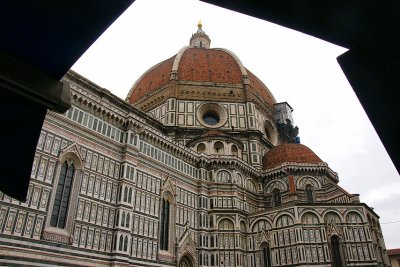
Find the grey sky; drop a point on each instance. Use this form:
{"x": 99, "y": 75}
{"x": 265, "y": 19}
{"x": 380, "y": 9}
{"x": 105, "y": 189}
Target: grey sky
{"x": 297, "y": 68}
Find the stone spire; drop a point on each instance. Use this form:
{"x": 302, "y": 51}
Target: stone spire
{"x": 200, "y": 39}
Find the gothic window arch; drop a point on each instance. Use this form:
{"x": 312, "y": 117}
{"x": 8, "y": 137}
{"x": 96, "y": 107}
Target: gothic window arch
{"x": 64, "y": 199}
{"x": 309, "y": 193}
{"x": 126, "y": 243}
{"x": 120, "y": 193}
{"x": 120, "y": 242}
{"x": 117, "y": 218}
{"x": 62, "y": 196}
{"x": 128, "y": 219}
{"x": 125, "y": 194}
{"x": 266, "y": 259}
{"x": 276, "y": 198}
{"x": 164, "y": 222}
{"x": 337, "y": 252}
{"x": 123, "y": 219}
{"x": 130, "y": 195}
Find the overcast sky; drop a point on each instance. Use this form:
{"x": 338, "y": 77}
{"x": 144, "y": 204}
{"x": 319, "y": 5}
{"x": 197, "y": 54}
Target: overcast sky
{"x": 297, "y": 68}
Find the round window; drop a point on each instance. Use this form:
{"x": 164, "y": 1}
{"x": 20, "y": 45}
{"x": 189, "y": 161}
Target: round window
{"x": 211, "y": 118}
{"x": 212, "y": 115}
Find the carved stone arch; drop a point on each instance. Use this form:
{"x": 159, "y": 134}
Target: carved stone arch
{"x": 223, "y": 176}
{"x": 239, "y": 179}
{"x": 187, "y": 260}
{"x": 250, "y": 185}
{"x": 327, "y": 212}
{"x": 186, "y": 249}
{"x": 276, "y": 184}
{"x": 333, "y": 227}
{"x": 221, "y": 219}
{"x": 347, "y": 213}
{"x": 72, "y": 154}
{"x": 168, "y": 190}
{"x": 281, "y": 215}
{"x": 258, "y": 220}
{"x": 305, "y": 220}
{"x": 305, "y": 180}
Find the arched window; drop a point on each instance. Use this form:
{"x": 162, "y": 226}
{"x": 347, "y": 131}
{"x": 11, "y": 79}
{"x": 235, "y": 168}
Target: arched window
{"x": 309, "y": 194}
{"x": 115, "y": 240}
{"x": 117, "y": 219}
{"x": 130, "y": 195}
{"x": 128, "y": 219}
{"x": 120, "y": 193}
{"x": 60, "y": 207}
{"x": 266, "y": 255}
{"x": 336, "y": 252}
{"x": 212, "y": 260}
{"x": 126, "y": 243}
{"x": 219, "y": 147}
{"x": 126, "y": 194}
{"x": 211, "y": 242}
{"x": 123, "y": 219}
{"x": 201, "y": 148}
{"x": 276, "y": 198}
{"x": 164, "y": 235}
{"x": 120, "y": 242}
{"x": 234, "y": 150}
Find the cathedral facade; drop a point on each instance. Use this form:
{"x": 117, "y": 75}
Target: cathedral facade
{"x": 198, "y": 166}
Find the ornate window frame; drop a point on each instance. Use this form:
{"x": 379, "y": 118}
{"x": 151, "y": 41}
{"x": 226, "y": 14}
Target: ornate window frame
{"x": 168, "y": 194}
{"x": 64, "y": 235}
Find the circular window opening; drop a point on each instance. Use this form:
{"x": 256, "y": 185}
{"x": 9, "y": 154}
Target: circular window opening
{"x": 212, "y": 115}
{"x": 211, "y": 118}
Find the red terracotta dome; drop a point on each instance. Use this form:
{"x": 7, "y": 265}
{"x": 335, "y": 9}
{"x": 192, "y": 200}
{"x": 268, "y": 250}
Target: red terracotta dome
{"x": 296, "y": 153}
{"x": 200, "y": 66}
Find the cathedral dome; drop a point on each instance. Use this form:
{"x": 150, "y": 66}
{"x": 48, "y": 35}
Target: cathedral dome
{"x": 219, "y": 72}
{"x": 290, "y": 152}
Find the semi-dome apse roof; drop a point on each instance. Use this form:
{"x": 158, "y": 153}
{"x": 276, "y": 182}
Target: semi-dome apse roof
{"x": 290, "y": 152}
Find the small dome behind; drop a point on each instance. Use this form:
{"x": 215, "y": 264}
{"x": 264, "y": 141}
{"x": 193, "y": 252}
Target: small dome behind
{"x": 290, "y": 152}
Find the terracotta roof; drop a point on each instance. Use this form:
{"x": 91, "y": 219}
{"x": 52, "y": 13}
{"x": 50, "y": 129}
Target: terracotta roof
{"x": 198, "y": 65}
{"x": 395, "y": 251}
{"x": 209, "y": 65}
{"x": 296, "y": 153}
{"x": 155, "y": 78}
{"x": 259, "y": 88}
